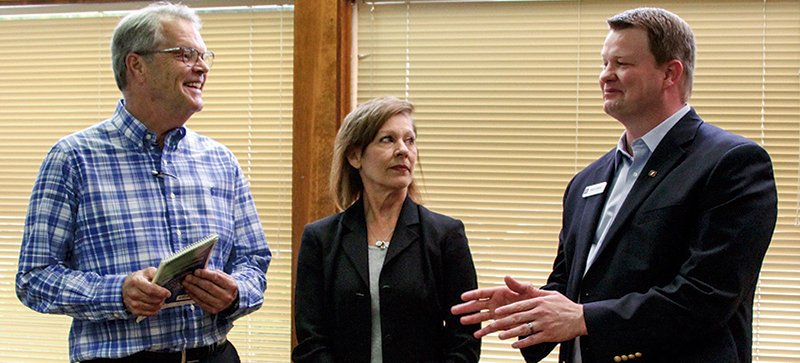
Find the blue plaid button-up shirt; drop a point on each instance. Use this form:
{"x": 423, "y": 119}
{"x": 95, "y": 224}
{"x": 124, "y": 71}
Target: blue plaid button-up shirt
{"x": 109, "y": 201}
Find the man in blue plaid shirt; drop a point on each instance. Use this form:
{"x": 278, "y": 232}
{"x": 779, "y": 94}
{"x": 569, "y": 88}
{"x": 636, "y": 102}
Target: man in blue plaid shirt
{"x": 112, "y": 200}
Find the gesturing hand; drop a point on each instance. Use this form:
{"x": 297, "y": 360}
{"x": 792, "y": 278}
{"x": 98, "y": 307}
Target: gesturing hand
{"x": 521, "y": 310}
{"x": 481, "y": 304}
{"x": 142, "y": 297}
{"x": 548, "y": 317}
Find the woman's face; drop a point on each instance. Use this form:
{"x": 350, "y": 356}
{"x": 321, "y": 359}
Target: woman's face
{"x": 387, "y": 163}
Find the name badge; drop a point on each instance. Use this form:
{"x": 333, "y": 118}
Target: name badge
{"x": 594, "y": 189}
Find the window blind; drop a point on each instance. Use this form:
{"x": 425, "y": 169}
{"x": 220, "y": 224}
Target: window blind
{"x": 56, "y": 78}
{"x": 509, "y": 109}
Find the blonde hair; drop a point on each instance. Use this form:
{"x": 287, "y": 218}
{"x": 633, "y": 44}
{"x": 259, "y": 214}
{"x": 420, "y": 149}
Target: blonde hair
{"x": 669, "y": 37}
{"x": 357, "y": 131}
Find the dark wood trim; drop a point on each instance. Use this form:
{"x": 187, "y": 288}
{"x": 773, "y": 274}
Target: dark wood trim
{"x": 322, "y": 57}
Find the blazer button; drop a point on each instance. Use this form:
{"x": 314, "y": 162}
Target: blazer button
{"x": 386, "y": 288}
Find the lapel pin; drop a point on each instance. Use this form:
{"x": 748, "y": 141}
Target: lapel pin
{"x": 652, "y": 173}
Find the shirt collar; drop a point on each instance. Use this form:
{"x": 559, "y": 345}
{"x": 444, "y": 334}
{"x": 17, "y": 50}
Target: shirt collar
{"x": 135, "y": 131}
{"x": 653, "y": 137}
{"x": 131, "y": 128}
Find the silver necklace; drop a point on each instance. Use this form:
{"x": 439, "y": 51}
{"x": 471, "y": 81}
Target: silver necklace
{"x": 384, "y": 243}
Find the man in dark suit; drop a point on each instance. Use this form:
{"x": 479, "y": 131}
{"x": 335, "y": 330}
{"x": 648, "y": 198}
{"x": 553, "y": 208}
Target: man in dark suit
{"x": 662, "y": 238}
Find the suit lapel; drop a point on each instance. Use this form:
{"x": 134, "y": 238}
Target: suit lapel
{"x": 404, "y": 234}
{"x": 669, "y": 152}
{"x": 588, "y": 222}
{"x": 354, "y": 239}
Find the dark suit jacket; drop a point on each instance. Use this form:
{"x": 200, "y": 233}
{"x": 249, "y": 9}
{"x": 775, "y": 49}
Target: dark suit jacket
{"x": 675, "y": 277}
{"x": 427, "y": 267}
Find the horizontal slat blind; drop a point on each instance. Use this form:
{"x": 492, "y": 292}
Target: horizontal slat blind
{"x": 508, "y": 109}
{"x": 57, "y": 79}
{"x": 249, "y": 109}
{"x": 52, "y": 86}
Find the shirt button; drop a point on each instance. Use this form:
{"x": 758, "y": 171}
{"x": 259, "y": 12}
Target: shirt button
{"x": 179, "y": 233}
{"x": 172, "y": 195}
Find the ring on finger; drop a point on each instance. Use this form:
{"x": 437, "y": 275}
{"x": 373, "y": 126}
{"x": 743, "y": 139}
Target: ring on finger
{"x": 530, "y": 327}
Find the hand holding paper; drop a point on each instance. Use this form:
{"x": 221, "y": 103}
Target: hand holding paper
{"x": 214, "y": 291}
{"x": 172, "y": 271}
{"x": 140, "y": 296}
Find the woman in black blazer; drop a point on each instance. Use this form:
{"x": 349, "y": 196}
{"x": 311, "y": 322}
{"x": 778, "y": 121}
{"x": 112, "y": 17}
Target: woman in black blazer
{"x": 375, "y": 282}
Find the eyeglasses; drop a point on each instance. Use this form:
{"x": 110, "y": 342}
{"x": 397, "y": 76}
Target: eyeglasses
{"x": 188, "y": 55}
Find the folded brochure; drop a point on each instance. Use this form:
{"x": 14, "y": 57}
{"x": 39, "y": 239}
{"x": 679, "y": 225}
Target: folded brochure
{"x": 173, "y": 269}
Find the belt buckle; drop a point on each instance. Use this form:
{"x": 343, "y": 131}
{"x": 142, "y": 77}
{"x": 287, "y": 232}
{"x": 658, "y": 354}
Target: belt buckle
{"x": 184, "y": 360}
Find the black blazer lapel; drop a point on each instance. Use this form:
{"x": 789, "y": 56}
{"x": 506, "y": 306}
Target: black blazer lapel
{"x": 353, "y": 231}
{"x": 404, "y": 231}
{"x": 668, "y": 154}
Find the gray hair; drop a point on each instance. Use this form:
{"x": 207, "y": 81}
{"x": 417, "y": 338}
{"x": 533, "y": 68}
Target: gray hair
{"x": 669, "y": 37}
{"x": 141, "y": 31}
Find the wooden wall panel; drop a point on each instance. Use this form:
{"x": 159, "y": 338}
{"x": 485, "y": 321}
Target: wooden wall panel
{"x": 322, "y": 44}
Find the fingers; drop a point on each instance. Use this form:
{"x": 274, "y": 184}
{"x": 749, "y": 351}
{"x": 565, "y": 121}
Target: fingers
{"x": 525, "y": 289}
{"x": 483, "y": 299}
{"x": 513, "y": 325}
{"x": 149, "y": 273}
{"x": 143, "y": 282}
{"x": 479, "y": 294}
{"x": 532, "y": 339}
{"x": 481, "y": 304}
{"x": 140, "y": 296}
{"x": 507, "y": 305}
{"x": 214, "y": 291}
{"x": 509, "y": 327}
{"x": 518, "y": 330}
{"x": 520, "y": 306}
{"x": 476, "y": 318}
{"x": 515, "y": 285}
{"x": 520, "y": 310}
{"x": 469, "y": 307}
